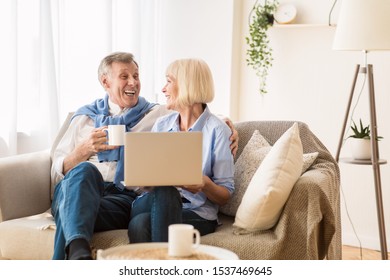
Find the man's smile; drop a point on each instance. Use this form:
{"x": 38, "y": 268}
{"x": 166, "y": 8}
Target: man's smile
{"x": 130, "y": 92}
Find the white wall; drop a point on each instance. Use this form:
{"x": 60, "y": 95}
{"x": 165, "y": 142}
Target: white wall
{"x": 310, "y": 82}
{"x": 202, "y": 29}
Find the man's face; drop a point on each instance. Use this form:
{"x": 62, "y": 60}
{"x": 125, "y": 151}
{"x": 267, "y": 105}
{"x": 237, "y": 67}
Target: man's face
{"x": 122, "y": 84}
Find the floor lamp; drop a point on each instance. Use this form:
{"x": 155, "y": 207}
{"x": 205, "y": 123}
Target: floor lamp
{"x": 363, "y": 25}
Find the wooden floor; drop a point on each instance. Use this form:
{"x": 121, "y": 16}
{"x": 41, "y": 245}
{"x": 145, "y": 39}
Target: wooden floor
{"x": 354, "y": 253}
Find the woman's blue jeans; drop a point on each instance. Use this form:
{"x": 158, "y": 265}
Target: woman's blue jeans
{"x": 83, "y": 204}
{"x": 154, "y": 212}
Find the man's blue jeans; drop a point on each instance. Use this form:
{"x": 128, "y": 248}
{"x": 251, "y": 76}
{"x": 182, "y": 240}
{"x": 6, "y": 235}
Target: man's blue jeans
{"x": 83, "y": 204}
{"x": 154, "y": 212}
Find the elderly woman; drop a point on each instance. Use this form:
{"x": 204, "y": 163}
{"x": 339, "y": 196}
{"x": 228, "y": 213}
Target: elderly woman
{"x": 188, "y": 89}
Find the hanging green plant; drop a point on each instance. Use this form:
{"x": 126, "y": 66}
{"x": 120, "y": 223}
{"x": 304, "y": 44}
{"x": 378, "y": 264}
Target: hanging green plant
{"x": 259, "y": 52}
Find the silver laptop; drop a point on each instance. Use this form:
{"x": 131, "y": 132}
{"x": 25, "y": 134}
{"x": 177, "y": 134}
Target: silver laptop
{"x": 163, "y": 159}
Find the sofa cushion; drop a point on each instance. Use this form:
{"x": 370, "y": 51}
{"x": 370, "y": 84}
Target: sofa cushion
{"x": 246, "y": 165}
{"x": 28, "y": 238}
{"x": 16, "y": 238}
{"x": 271, "y": 184}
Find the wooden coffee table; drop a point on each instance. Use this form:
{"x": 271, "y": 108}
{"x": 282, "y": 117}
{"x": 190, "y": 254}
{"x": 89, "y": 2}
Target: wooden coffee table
{"x": 159, "y": 251}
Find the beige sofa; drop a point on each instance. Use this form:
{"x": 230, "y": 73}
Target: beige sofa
{"x": 308, "y": 228}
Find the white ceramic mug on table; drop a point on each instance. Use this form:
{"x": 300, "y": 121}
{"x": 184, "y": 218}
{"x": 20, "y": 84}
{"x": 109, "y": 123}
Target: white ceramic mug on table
{"x": 181, "y": 240}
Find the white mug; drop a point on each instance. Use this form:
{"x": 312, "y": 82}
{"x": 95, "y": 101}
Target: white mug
{"x": 181, "y": 240}
{"x": 116, "y": 134}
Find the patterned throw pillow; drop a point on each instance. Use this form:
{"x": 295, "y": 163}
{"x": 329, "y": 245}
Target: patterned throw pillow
{"x": 246, "y": 165}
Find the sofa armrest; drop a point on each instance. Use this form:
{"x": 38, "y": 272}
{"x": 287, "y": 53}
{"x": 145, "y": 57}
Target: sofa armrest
{"x": 24, "y": 185}
{"x": 312, "y": 212}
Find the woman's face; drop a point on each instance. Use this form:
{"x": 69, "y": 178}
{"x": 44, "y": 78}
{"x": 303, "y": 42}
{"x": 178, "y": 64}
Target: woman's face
{"x": 171, "y": 92}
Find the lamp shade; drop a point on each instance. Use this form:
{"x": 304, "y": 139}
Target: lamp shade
{"x": 363, "y": 25}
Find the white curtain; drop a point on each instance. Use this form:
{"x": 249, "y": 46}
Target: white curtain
{"x": 50, "y": 55}
{"x": 8, "y": 79}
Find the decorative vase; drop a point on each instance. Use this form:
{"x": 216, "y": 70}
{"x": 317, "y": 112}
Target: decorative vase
{"x": 361, "y": 148}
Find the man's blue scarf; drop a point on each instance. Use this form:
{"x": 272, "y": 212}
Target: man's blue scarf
{"x": 98, "y": 111}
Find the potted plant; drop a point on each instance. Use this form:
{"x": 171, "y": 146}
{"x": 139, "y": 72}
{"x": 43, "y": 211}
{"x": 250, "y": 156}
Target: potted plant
{"x": 259, "y": 52}
{"x": 361, "y": 145}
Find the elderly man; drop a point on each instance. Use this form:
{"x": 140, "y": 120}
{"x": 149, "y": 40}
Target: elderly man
{"x": 89, "y": 196}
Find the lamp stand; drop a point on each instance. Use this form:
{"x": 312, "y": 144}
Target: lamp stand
{"x": 375, "y": 162}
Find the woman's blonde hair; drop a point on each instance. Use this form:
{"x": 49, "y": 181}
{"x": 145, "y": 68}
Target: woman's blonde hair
{"x": 194, "y": 81}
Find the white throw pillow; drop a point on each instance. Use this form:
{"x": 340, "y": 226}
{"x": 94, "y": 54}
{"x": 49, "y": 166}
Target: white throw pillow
{"x": 271, "y": 184}
{"x": 246, "y": 165}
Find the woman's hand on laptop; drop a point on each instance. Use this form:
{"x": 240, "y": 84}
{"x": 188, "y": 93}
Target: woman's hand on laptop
{"x": 216, "y": 193}
{"x": 197, "y": 188}
{"x": 193, "y": 188}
